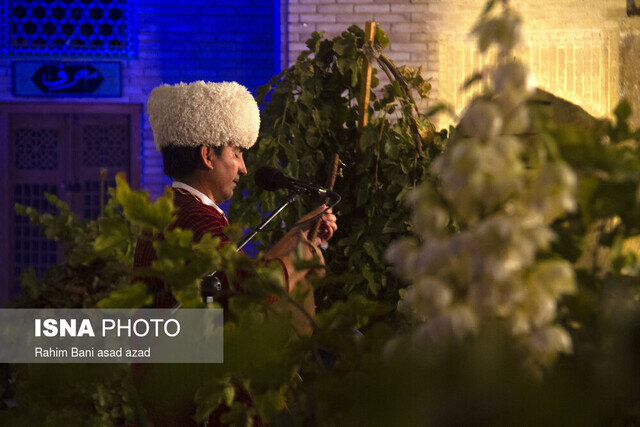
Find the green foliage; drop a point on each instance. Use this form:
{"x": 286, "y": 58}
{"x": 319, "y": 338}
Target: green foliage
{"x": 262, "y": 359}
{"x": 310, "y": 114}
{"x": 601, "y": 238}
{"x": 133, "y": 295}
{"x": 55, "y": 395}
{"x": 98, "y": 258}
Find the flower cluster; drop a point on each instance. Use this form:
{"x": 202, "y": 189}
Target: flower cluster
{"x": 501, "y": 189}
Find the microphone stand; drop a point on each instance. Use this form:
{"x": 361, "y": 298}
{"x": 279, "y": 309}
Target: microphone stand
{"x": 211, "y": 284}
{"x": 286, "y": 202}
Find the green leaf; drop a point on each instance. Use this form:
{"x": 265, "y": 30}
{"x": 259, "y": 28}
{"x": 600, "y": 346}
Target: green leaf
{"x": 586, "y": 190}
{"x": 488, "y": 7}
{"x": 114, "y": 235}
{"x": 262, "y": 92}
{"x": 238, "y": 415}
{"x": 344, "y": 65}
{"x": 369, "y": 137}
{"x": 212, "y": 394}
{"x": 341, "y": 45}
{"x": 372, "y": 284}
{"x": 138, "y": 209}
{"x": 228, "y": 394}
{"x": 271, "y": 403}
{"x": 135, "y": 295}
{"x": 290, "y": 152}
{"x": 622, "y": 111}
{"x": 188, "y": 296}
{"x": 393, "y": 226}
{"x": 381, "y": 38}
{"x": 363, "y": 194}
{"x": 370, "y": 250}
{"x": 312, "y": 42}
{"x": 356, "y": 31}
{"x": 30, "y": 284}
{"x": 476, "y": 77}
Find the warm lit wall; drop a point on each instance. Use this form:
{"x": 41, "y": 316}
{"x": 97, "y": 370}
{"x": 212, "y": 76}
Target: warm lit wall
{"x": 583, "y": 50}
{"x": 571, "y": 47}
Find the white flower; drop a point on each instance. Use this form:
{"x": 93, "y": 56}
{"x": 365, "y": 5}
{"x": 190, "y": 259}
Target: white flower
{"x": 541, "y": 307}
{"x": 553, "y": 191}
{"x": 503, "y": 202}
{"x": 504, "y": 30}
{"x": 513, "y": 84}
{"x": 402, "y": 253}
{"x": 453, "y": 325}
{"x": 516, "y": 122}
{"x": 557, "y": 277}
{"x": 482, "y": 120}
{"x": 520, "y": 323}
{"x": 433, "y": 255}
{"x": 429, "y": 218}
{"x": 551, "y": 340}
{"x": 427, "y": 296}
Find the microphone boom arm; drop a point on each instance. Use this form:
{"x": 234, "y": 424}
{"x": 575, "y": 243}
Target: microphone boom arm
{"x": 286, "y": 202}
{"x": 211, "y": 285}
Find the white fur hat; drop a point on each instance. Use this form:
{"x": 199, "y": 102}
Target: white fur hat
{"x": 203, "y": 113}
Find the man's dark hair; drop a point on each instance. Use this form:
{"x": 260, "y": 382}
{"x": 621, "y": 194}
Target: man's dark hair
{"x": 180, "y": 162}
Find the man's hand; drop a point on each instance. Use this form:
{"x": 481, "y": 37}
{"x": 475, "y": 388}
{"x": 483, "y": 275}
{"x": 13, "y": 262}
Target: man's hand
{"x": 328, "y": 224}
{"x": 300, "y": 233}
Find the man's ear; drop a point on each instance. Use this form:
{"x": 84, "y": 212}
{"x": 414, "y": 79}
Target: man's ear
{"x": 207, "y": 155}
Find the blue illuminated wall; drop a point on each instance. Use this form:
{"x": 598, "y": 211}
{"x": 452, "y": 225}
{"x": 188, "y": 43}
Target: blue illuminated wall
{"x": 206, "y": 40}
{"x": 203, "y": 40}
{"x": 171, "y": 42}
{"x": 223, "y": 40}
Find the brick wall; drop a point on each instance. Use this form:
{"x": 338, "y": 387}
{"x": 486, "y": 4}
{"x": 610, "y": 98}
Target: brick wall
{"x": 185, "y": 41}
{"x": 402, "y": 20}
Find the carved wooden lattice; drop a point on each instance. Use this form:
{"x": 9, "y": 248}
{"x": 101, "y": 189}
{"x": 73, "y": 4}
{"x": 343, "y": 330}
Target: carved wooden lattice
{"x": 68, "y": 27}
{"x": 105, "y": 146}
{"x": 30, "y": 247}
{"x": 91, "y": 198}
{"x": 36, "y": 149}
{"x": 104, "y": 142}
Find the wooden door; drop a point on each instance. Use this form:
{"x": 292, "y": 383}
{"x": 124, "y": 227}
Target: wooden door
{"x": 37, "y": 164}
{"x": 61, "y": 149}
{"x": 100, "y": 142}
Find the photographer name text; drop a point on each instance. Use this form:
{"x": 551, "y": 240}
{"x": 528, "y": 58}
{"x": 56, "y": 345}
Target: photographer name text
{"x": 75, "y": 352}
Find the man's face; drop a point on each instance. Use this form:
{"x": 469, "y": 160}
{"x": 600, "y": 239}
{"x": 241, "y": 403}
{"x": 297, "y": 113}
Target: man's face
{"x": 227, "y": 169}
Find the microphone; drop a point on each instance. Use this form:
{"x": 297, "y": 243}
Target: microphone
{"x": 271, "y": 179}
